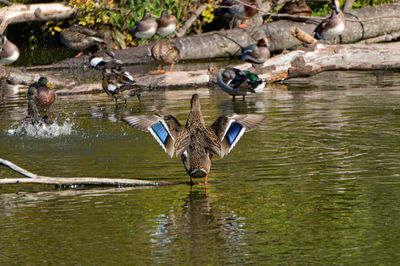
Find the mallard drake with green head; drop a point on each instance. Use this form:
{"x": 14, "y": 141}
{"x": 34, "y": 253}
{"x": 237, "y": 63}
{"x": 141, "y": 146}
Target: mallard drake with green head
{"x": 257, "y": 53}
{"x": 332, "y": 26}
{"x": 144, "y": 28}
{"x": 166, "y": 24}
{"x": 165, "y": 53}
{"x": 41, "y": 93}
{"x": 120, "y": 84}
{"x": 9, "y": 52}
{"x": 237, "y": 82}
{"x": 195, "y": 143}
{"x": 79, "y": 38}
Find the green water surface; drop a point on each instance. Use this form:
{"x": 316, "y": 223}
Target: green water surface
{"x": 318, "y": 183}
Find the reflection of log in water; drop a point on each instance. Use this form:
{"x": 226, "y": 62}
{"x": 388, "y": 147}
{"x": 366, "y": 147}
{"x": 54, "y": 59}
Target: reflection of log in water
{"x": 72, "y": 181}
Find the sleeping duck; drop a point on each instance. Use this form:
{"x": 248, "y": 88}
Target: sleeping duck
{"x": 144, "y": 28}
{"x": 239, "y": 10}
{"x": 296, "y": 8}
{"x": 257, "y": 53}
{"x": 165, "y": 53}
{"x": 195, "y": 143}
{"x": 79, "y": 38}
{"x": 9, "y": 52}
{"x": 332, "y": 26}
{"x": 237, "y": 82}
{"x": 166, "y": 24}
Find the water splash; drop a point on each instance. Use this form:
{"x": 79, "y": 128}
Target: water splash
{"x": 41, "y": 129}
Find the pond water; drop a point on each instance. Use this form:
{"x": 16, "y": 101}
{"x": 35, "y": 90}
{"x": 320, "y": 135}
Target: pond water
{"x": 317, "y": 183}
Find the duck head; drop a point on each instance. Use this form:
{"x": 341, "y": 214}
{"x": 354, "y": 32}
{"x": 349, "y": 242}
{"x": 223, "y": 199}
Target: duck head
{"x": 43, "y": 81}
{"x": 335, "y": 4}
{"x": 263, "y": 43}
{"x": 195, "y": 103}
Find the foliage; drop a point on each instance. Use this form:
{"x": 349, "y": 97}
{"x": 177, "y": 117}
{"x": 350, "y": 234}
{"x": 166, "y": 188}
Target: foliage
{"x": 119, "y": 16}
{"x": 324, "y": 8}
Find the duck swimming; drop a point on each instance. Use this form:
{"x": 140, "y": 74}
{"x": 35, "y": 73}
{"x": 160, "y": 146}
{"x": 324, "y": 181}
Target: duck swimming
{"x": 332, "y": 26}
{"x": 257, "y": 53}
{"x": 79, "y": 38}
{"x": 195, "y": 143}
{"x": 9, "y": 52}
{"x": 41, "y": 94}
{"x": 237, "y": 82}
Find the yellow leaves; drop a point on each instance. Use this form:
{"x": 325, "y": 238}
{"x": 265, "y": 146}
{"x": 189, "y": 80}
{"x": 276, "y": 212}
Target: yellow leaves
{"x": 208, "y": 15}
{"x": 57, "y": 28}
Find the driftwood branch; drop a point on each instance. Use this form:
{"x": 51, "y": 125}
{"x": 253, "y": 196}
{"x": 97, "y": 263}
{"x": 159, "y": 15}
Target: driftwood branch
{"x": 18, "y": 13}
{"x": 302, "y": 35}
{"x": 384, "y": 38}
{"x": 191, "y": 20}
{"x": 347, "y": 5}
{"x": 60, "y": 181}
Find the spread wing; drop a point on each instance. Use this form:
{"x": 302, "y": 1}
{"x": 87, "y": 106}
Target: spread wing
{"x": 229, "y": 129}
{"x": 165, "y": 129}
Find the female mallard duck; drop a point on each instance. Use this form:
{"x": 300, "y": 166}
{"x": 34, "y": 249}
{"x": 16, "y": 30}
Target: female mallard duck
{"x": 257, "y": 53}
{"x": 119, "y": 84}
{"x": 166, "y": 24}
{"x": 195, "y": 143}
{"x": 9, "y": 52}
{"x": 332, "y": 26}
{"x": 144, "y": 28}
{"x": 296, "y": 8}
{"x": 165, "y": 53}
{"x": 41, "y": 94}
{"x": 238, "y": 82}
{"x": 240, "y": 10}
{"x": 79, "y": 38}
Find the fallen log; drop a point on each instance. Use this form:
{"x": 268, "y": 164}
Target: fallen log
{"x": 72, "y": 181}
{"x": 17, "y": 13}
{"x": 308, "y": 61}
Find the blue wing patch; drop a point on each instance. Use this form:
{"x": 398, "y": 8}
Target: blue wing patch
{"x": 161, "y": 131}
{"x": 233, "y": 132}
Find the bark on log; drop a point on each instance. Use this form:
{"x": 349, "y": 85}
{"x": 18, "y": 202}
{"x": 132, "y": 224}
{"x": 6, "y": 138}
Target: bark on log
{"x": 306, "y": 62}
{"x": 17, "y": 13}
{"x": 365, "y": 23}
{"x": 72, "y": 181}
{"x": 309, "y": 61}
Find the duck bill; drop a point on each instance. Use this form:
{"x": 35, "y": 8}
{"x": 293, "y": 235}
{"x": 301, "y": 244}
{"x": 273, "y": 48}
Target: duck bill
{"x": 48, "y": 84}
{"x": 198, "y": 173}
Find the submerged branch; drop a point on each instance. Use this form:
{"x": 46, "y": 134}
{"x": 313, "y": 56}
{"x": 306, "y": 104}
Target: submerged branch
{"x": 61, "y": 181}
